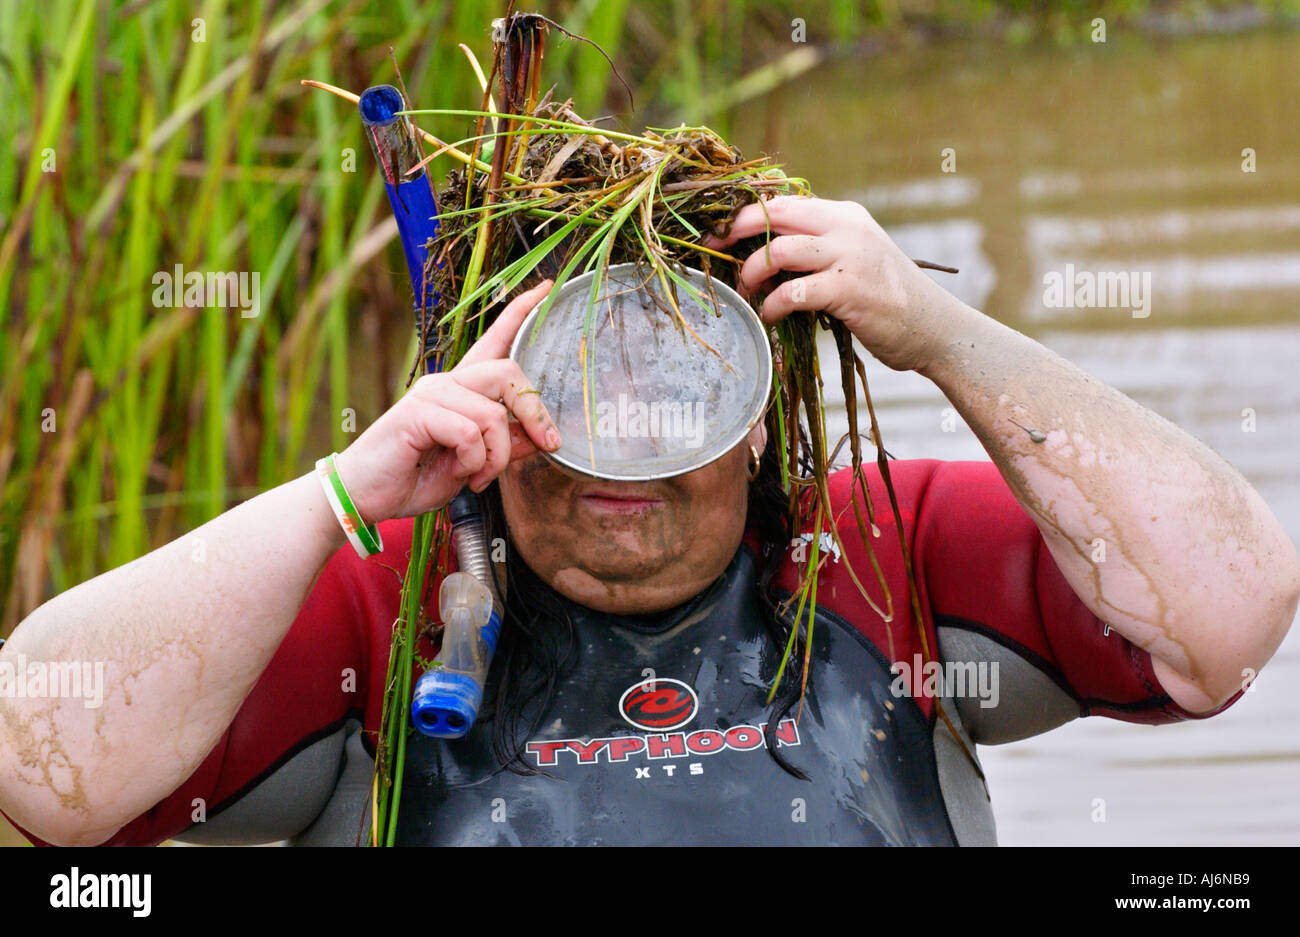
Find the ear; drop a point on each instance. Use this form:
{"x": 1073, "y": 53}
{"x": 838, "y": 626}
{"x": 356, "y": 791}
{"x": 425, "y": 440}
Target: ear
{"x": 758, "y": 436}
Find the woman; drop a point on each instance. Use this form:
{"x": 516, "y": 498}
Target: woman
{"x": 629, "y": 695}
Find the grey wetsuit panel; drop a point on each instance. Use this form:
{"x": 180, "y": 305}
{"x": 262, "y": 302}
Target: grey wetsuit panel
{"x": 282, "y": 804}
{"x": 345, "y": 821}
{"x": 1029, "y": 701}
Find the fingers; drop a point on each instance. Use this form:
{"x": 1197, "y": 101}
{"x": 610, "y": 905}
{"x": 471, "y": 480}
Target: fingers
{"x": 435, "y": 425}
{"x": 790, "y": 252}
{"x": 810, "y": 293}
{"x": 503, "y": 380}
{"x": 521, "y": 447}
{"x": 478, "y": 400}
{"x": 491, "y": 419}
{"x": 785, "y": 214}
{"x": 496, "y": 441}
{"x": 495, "y": 342}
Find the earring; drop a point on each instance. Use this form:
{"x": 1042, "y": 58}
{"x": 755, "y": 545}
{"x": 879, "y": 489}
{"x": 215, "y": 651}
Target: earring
{"x": 755, "y": 463}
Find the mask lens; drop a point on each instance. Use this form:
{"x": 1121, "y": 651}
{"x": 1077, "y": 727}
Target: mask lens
{"x": 637, "y": 389}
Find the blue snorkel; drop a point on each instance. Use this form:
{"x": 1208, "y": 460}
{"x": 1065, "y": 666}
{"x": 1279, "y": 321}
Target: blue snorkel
{"x": 446, "y": 698}
{"x": 411, "y": 196}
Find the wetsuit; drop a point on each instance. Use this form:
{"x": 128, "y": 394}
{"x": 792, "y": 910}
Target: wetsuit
{"x": 667, "y": 714}
{"x": 656, "y": 734}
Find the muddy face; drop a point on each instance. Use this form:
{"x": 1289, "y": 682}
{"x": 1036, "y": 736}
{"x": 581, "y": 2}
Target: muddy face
{"x": 627, "y": 547}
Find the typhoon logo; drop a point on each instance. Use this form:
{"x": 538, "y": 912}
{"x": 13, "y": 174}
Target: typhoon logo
{"x": 658, "y": 705}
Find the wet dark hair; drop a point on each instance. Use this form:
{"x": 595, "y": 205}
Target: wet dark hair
{"x": 539, "y": 643}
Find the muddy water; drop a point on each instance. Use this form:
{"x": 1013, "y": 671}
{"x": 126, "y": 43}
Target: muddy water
{"x": 1126, "y": 157}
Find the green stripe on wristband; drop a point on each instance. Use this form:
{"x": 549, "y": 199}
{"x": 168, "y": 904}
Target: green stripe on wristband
{"x": 368, "y": 535}
{"x": 364, "y": 537}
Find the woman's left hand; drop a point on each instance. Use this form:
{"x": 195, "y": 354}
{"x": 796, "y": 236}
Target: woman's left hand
{"x": 854, "y": 272}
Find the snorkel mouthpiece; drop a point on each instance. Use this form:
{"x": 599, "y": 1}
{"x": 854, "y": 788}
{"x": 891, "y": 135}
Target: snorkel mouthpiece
{"x": 446, "y": 699}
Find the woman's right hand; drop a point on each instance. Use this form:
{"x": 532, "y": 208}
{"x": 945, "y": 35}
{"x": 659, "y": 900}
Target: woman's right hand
{"x": 451, "y": 429}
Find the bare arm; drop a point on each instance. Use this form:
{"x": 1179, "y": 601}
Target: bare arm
{"x": 184, "y": 632}
{"x": 1159, "y": 536}
{"x": 1196, "y": 568}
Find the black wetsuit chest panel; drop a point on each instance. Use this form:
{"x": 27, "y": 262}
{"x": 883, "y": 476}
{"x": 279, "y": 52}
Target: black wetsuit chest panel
{"x": 676, "y": 756}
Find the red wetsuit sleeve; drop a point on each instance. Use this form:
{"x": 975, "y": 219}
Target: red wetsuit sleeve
{"x": 987, "y": 568}
{"x": 329, "y": 668}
